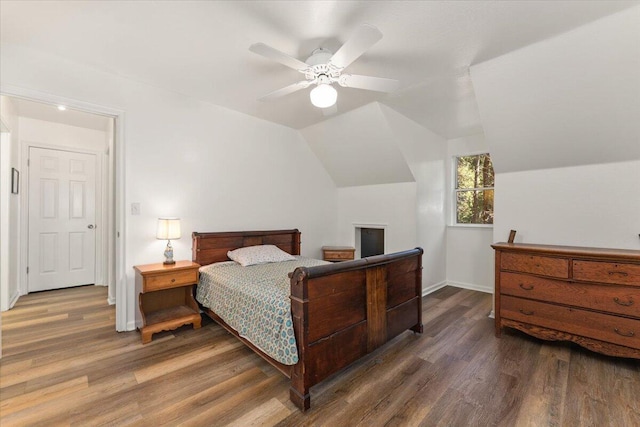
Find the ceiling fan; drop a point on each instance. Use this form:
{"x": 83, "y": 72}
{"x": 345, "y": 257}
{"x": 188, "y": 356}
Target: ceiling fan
{"x": 323, "y": 68}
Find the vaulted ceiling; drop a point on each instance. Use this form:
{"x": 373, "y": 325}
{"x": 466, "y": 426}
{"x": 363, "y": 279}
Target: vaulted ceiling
{"x": 200, "y": 48}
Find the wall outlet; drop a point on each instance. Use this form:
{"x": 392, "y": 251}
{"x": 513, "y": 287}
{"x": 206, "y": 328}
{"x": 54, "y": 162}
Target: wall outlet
{"x": 135, "y": 208}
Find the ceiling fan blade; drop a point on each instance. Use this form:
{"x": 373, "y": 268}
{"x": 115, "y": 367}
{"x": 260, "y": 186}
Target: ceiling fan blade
{"x": 379, "y": 84}
{"x": 362, "y": 39}
{"x": 286, "y": 90}
{"x": 276, "y": 55}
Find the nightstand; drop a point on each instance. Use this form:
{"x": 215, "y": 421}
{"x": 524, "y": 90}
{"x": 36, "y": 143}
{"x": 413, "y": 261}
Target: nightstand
{"x": 337, "y": 253}
{"x": 166, "y": 297}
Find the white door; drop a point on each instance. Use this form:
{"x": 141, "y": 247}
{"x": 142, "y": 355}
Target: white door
{"x": 62, "y": 211}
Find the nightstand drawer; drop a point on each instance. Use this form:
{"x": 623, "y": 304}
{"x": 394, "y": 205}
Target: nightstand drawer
{"x": 170, "y": 280}
{"x": 337, "y": 253}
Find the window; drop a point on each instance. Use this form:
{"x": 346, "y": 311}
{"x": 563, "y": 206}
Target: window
{"x": 474, "y": 189}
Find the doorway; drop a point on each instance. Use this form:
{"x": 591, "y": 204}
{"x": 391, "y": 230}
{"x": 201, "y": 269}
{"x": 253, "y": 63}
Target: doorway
{"x": 110, "y": 254}
{"x": 64, "y": 188}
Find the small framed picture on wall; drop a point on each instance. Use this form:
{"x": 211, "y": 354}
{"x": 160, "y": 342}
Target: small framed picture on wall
{"x": 15, "y": 181}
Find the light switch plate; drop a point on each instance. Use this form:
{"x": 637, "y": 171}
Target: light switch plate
{"x": 135, "y": 208}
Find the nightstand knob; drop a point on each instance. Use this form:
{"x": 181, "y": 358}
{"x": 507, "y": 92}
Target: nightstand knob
{"x": 173, "y": 280}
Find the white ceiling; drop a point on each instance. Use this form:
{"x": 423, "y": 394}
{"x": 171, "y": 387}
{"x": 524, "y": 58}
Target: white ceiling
{"x": 200, "y": 48}
{"x": 51, "y": 113}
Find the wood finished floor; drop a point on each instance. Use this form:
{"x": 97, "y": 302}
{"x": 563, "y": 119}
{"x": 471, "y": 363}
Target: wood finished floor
{"x": 63, "y": 364}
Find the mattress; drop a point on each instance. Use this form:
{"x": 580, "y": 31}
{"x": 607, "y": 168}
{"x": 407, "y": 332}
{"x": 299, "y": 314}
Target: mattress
{"x": 254, "y": 300}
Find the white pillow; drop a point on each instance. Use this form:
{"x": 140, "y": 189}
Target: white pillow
{"x": 261, "y": 254}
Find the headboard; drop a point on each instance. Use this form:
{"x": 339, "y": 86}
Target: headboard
{"x": 208, "y": 248}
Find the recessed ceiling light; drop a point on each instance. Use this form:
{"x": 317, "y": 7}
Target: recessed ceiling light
{"x": 61, "y": 107}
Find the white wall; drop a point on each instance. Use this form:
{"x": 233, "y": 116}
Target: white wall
{"x": 593, "y": 205}
{"x": 470, "y": 262}
{"x": 561, "y": 120}
{"x": 10, "y": 205}
{"x": 425, "y": 153}
{"x": 470, "y": 258}
{"x": 390, "y": 205}
{"x": 215, "y": 168}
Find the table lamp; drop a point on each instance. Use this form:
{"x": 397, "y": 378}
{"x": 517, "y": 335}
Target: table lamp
{"x": 168, "y": 229}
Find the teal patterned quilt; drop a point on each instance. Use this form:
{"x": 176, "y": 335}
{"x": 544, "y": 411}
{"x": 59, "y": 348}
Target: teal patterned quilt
{"x": 254, "y": 301}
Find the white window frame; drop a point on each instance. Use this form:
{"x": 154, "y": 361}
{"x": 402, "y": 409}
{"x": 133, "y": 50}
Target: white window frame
{"x": 454, "y": 191}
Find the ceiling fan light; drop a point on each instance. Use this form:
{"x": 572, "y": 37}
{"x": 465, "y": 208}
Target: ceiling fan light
{"x": 323, "y": 96}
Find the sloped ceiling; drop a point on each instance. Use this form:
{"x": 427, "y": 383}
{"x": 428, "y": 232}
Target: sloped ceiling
{"x": 567, "y": 101}
{"x": 375, "y": 144}
{"x": 358, "y": 148}
{"x": 200, "y": 48}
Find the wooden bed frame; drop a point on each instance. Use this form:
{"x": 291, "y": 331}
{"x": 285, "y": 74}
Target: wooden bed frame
{"x": 341, "y": 311}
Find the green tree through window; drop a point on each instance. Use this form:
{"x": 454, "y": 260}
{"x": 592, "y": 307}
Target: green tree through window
{"x": 474, "y": 189}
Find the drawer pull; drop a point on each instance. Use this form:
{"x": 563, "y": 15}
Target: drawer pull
{"x": 526, "y": 288}
{"x": 628, "y": 334}
{"x": 626, "y": 303}
{"x": 173, "y": 280}
{"x": 621, "y": 273}
{"x": 525, "y": 312}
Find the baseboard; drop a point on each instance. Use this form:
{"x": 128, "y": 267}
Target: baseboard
{"x": 111, "y": 300}
{"x": 13, "y": 300}
{"x": 131, "y": 326}
{"x": 432, "y": 288}
{"x": 474, "y": 288}
{"x": 470, "y": 286}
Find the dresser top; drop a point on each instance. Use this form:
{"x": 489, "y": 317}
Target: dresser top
{"x": 620, "y": 254}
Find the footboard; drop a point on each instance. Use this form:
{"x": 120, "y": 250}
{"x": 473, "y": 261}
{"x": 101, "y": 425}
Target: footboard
{"x": 344, "y": 311}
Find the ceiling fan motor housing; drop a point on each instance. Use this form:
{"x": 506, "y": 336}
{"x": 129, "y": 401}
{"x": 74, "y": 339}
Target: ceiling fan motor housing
{"x": 319, "y": 56}
{"x": 320, "y": 70}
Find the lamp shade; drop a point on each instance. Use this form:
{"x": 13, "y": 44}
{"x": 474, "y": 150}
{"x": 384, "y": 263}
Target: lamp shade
{"x": 323, "y": 95}
{"x": 168, "y": 228}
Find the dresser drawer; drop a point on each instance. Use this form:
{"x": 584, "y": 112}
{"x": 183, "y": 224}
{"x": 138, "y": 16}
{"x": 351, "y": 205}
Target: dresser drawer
{"x": 612, "y": 299}
{"x": 607, "y": 272}
{"x": 170, "y": 280}
{"x": 604, "y": 327}
{"x": 535, "y": 264}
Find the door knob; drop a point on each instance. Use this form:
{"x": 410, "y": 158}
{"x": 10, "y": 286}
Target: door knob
{"x": 90, "y": 226}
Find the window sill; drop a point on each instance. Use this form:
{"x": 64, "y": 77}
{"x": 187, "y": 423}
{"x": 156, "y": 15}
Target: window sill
{"x": 472, "y": 226}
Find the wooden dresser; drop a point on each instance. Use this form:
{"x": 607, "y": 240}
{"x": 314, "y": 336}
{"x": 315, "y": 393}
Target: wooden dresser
{"x": 586, "y": 295}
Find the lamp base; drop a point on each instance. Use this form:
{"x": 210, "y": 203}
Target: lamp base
{"x": 168, "y": 254}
